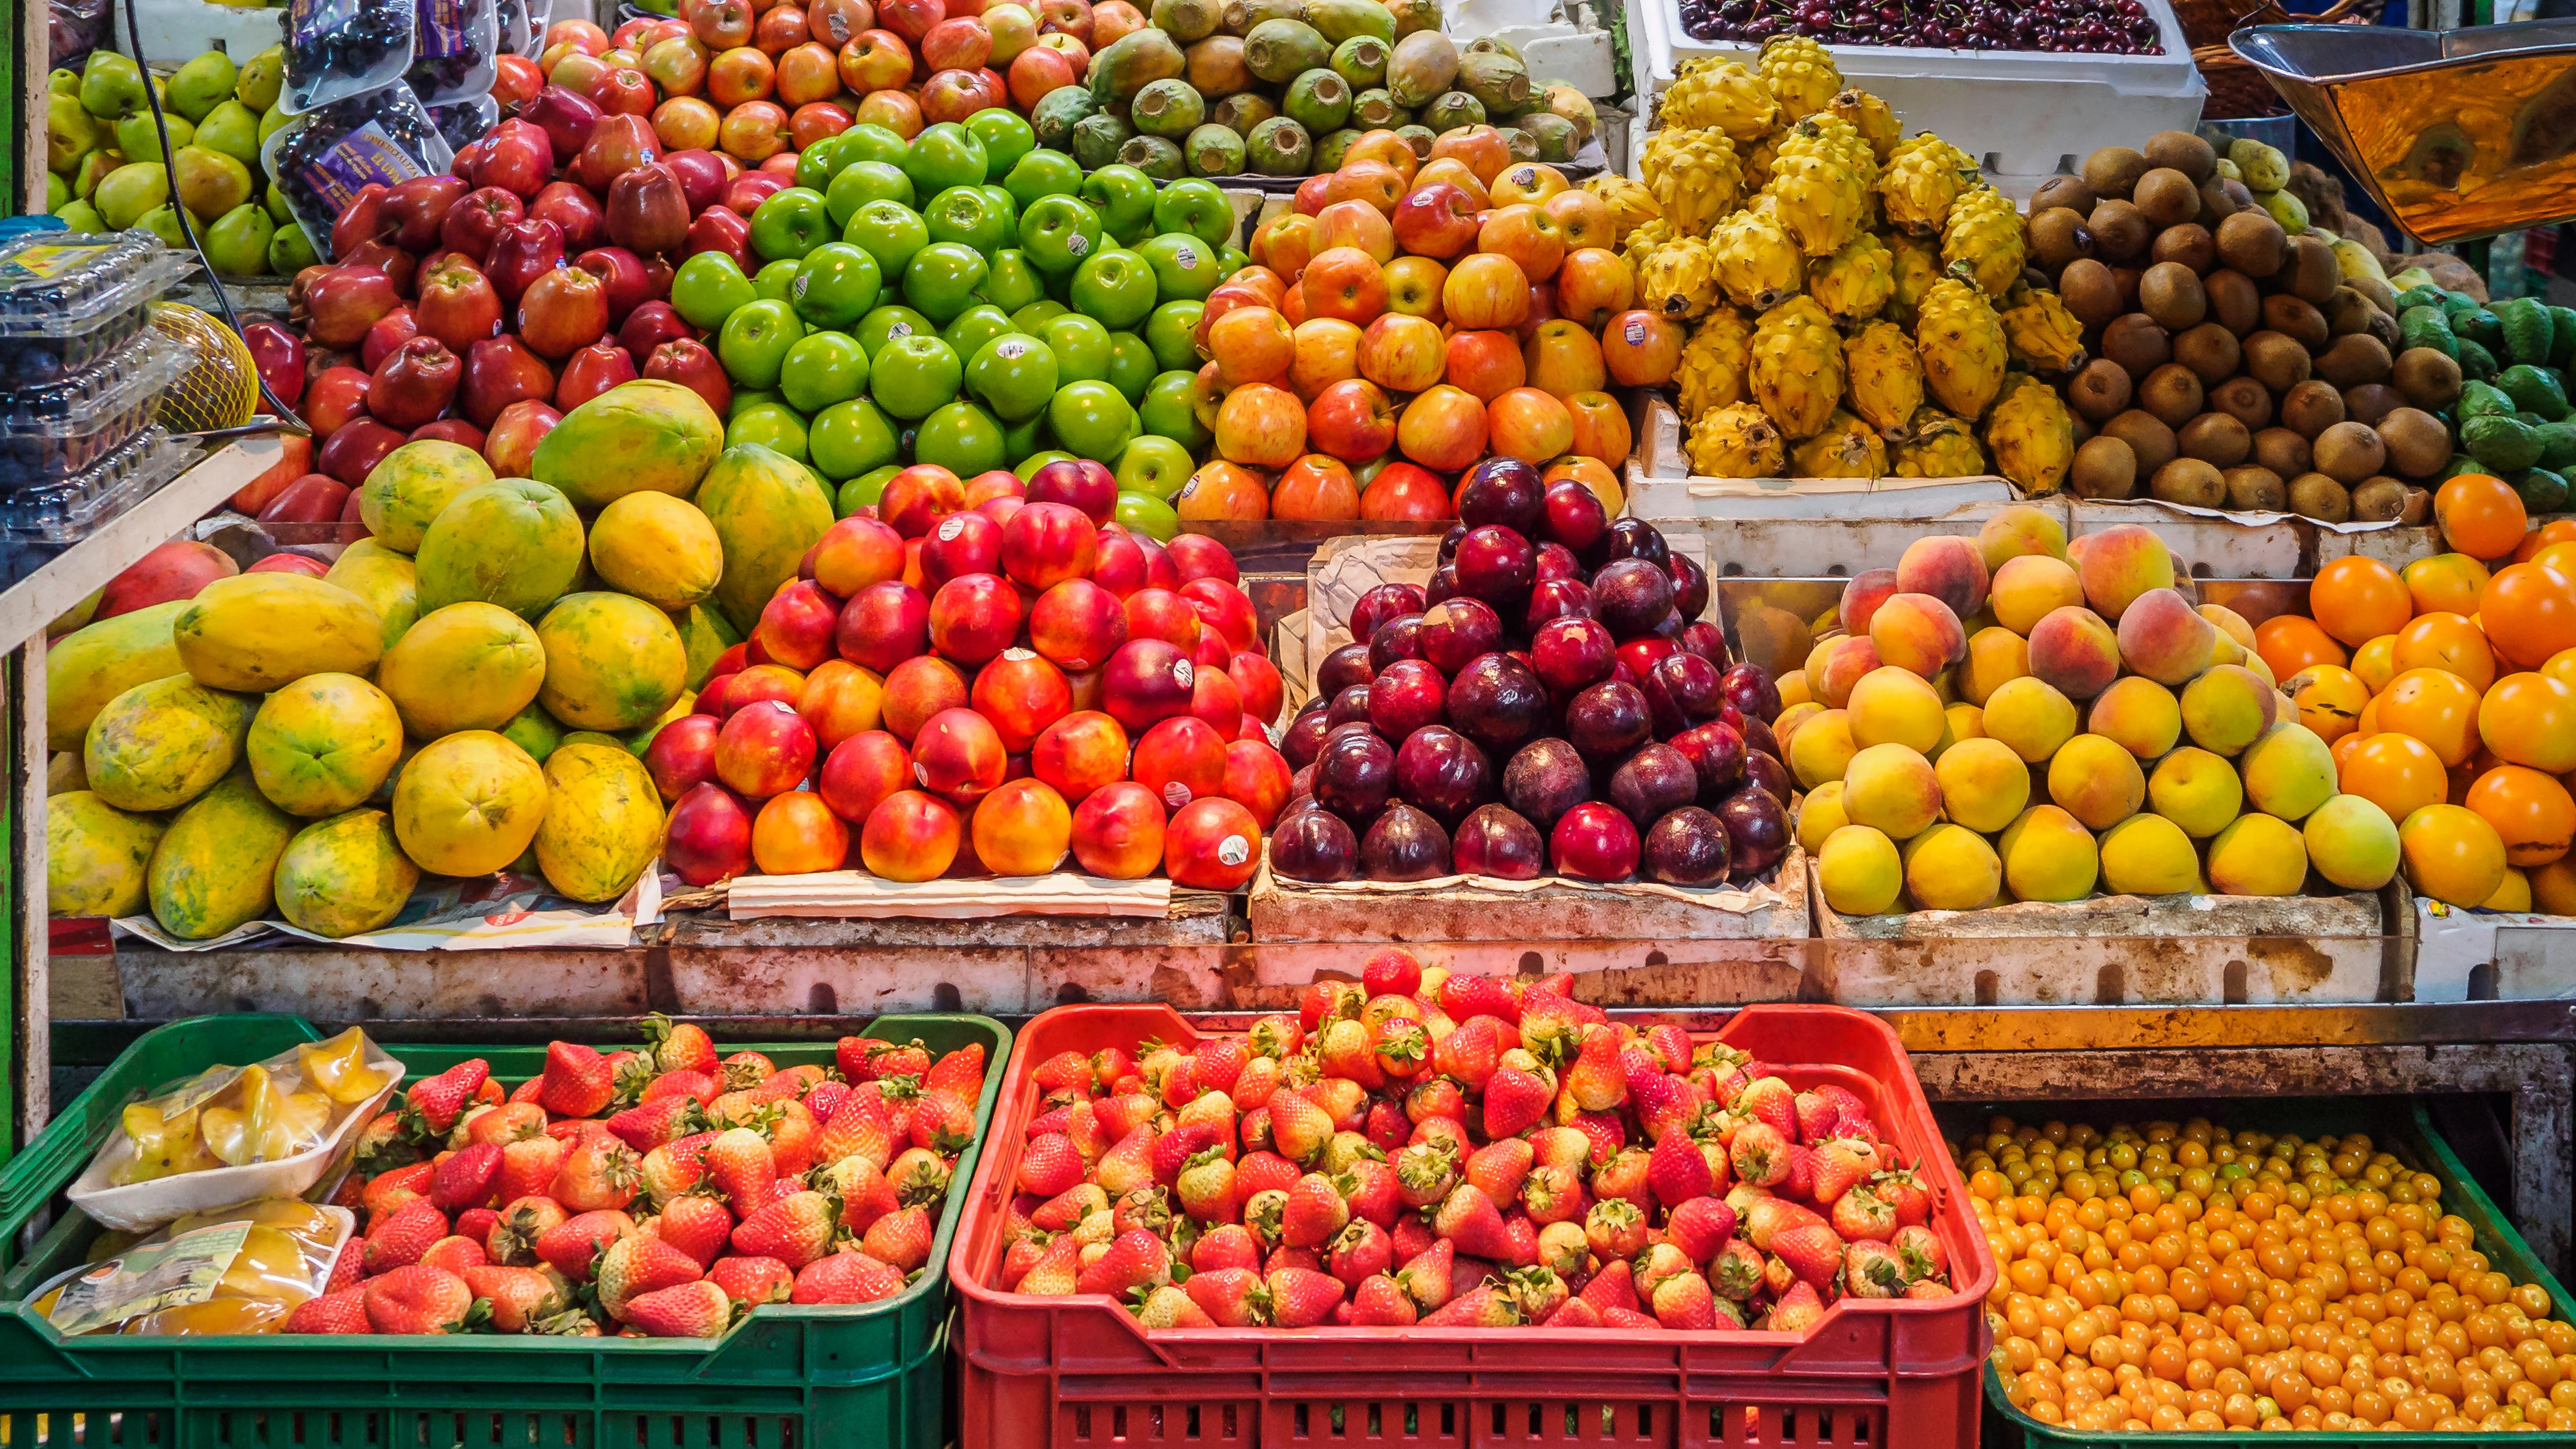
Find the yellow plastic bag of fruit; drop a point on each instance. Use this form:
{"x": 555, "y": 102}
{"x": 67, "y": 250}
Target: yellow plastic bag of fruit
{"x": 241, "y": 1270}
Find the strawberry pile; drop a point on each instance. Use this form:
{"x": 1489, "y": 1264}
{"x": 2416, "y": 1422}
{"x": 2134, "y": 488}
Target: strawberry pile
{"x": 660, "y": 1192}
{"x": 1454, "y": 1151}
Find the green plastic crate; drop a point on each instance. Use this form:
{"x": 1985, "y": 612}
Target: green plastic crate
{"x": 2411, "y": 1137}
{"x": 787, "y": 1377}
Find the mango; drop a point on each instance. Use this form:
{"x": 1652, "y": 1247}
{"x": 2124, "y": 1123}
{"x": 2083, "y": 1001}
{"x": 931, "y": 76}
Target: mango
{"x": 2097, "y": 781}
{"x": 98, "y": 662}
{"x": 1821, "y": 748}
{"x": 323, "y": 744}
{"x": 2075, "y": 652}
{"x": 1895, "y": 706}
{"x": 406, "y": 490}
{"x": 767, "y": 510}
{"x": 2352, "y": 842}
{"x": 96, "y": 855}
{"x": 2031, "y": 716}
{"x": 705, "y": 634}
{"x": 468, "y": 804}
{"x": 2166, "y": 639}
{"x": 1984, "y": 785}
{"x": 1820, "y": 815}
{"x": 1995, "y": 655}
{"x": 2017, "y": 532}
{"x": 2121, "y": 563}
{"x": 2258, "y": 856}
{"x": 1891, "y": 788}
{"x": 2289, "y": 772}
{"x": 345, "y": 876}
{"x": 2148, "y": 855}
{"x": 254, "y": 632}
{"x": 1859, "y": 872}
{"x": 2029, "y": 588}
{"x": 216, "y": 866}
{"x": 389, "y": 584}
{"x": 638, "y": 437}
{"x": 2048, "y": 855}
{"x": 159, "y": 745}
{"x": 1920, "y": 632}
{"x": 603, "y": 822}
{"x": 2227, "y": 708}
{"x": 1951, "y": 868}
{"x": 2196, "y": 790}
{"x": 509, "y": 542}
{"x": 469, "y": 666}
{"x": 659, "y": 548}
{"x": 612, "y": 662}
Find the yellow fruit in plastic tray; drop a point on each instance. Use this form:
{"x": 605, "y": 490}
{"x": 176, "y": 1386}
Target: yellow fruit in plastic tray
{"x": 264, "y": 1123}
{"x": 339, "y": 1068}
{"x": 215, "y": 1316}
{"x": 270, "y": 1266}
{"x": 312, "y": 1225}
{"x": 163, "y": 1146}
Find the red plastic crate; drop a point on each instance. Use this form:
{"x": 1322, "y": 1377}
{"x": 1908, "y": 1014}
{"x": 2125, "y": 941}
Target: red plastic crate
{"x": 1078, "y": 1371}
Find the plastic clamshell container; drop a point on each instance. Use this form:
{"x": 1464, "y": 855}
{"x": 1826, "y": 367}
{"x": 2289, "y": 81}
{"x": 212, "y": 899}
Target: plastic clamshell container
{"x": 67, "y": 301}
{"x": 789, "y": 1376}
{"x": 52, "y": 430}
{"x": 141, "y": 1206}
{"x": 66, "y": 509}
{"x": 1079, "y": 1370}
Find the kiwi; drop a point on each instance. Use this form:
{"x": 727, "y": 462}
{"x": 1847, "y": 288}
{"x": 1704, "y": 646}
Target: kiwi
{"x": 2211, "y": 352}
{"x": 2276, "y": 361}
{"x": 2313, "y": 275}
{"x": 2419, "y": 505}
{"x": 2104, "y": 468}
{"x": 2428, "y": 378}
{"x": 2184, "y": 152}
{"x": 2137, "y": 344}
{"x": 2379, "y": 500}
{"x": 2418, "y": 443}
{"x": 2215, "y": 438}
{"x": 2190, "y": 244}
{"x": 2242, "y": 398}
{"x": 2099, "y": 390}
{"x": 2253, "y": 243}
{"x": 2120, "y": 231}
{"x": 2347, "y": 312}
{"x": 2309, "y": 408}
{"x": 2253, "y": 488}
{"x": 2375, "y": 291}
{"x": 2172, "y": 393}
{"x": 2350, "y": 452}
{"x": 2314, "y": 495}
{"x": 2057, "y": 236}
{"x": 2235, "y": 303}
{"x": 2371, "y": 401}
{"x": 2126, "y": 279}
{"x": 2147, "y": 436}
{"x": 2191, "y": 483}
{"x": 2071, "y": 192}
{"x": 2170, "y": 292}
{"x": 2353, "y": 361}
{"x": 2166, "y": 197}
{"x": 2383, "y": 326}
{"x": 2113, "y": 170}
{"x": 2284, "y": 452}
{"x": 2217, "y": 203}
{"x": 2296, "y": 320}
{"x": 2087, "y": 288}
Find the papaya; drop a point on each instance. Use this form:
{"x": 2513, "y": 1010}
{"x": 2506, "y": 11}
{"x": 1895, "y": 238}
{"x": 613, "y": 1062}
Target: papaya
{"x": 596, "y": 738}
{"x": 659, "y": 548}
{"x": 640, "y": 738}
{"x": 255, "y": 632}
{"x": 406, "y": 490}
{"x": 216, "y": 866}
{"x": 96, "y": 855}
{"x": 323, "y": 744}
{"x": 469, "y": 666}
{"x": 767, "y": 510}
{"x": 63, "y": 773}
{"x": 603, "y": 822}
{"x": 638, "y": 437}
{"x": 509, "y": 542}
{"x": 384, "y": 792}
{"x": 706, "y": 635}
{"x": 468, "y": 804}
{"x": 344, "y": 876}
{"x": 612, "y": 662}
{"x": 389, "y": 584}
{"x": 100, "y": 661}
{"x": 535, "y": 731}
{"x": 159, "y": 745}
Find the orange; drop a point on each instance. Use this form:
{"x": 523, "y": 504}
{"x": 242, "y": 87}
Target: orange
{"x": 2398, "y": 773}
{"x": 2558, "y": 530}
{"x": 2345, "y": 748}
{"x": 2434, "y": 706}
{"x": 2448, "y": 581}
{"x": 2562, "y": 667}
{"x": 2529, "y": 613}
{"x": 2452, "y": 854}
{"x": 2513, "y": 895}
{"x": 2330, "y": 699}
{"x": 2290, "y": 643}
{"x": 2446, "y": 642}
{"x": 2530, "y": 719}
{"x": 2553, "y": 888}
{"x": 2557, "y": 558}
{"x": 2531, "y": 811}
{"x": 2357, "y": 599}
{"x": 2479, "y": 515}
{"x": 2376, "y": 662}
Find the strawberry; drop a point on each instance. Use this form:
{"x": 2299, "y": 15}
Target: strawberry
{"x": 1767, "y": 1218}
{"x": 1797, "y": 1310}
{"x": 1699, "y": 1227}
{"x": 1624, "y": 1175}
{"x": 1515, "y": 1101}
{"x": 1205, "y": 1186}
{"x": 1135, "y": 1260}
{"x": 675, "y": 1168}
{"x": 1176, "y": 1148}
{"x": 1677, "y": 1172}
{"x": 1229, "y": 1245}
{"x": 1301, "y": 1297}
{"x": 827, "y": 1096}
{"x": 1574, "y": 1314}
{"x": 1120, "y": 1115}
{"x": 887, "y": 1060}
{"x": 1391, "y": 972}
{"x": 1403, "y": 1049}
{"x": 1469, "y": 1053}
{"x": 1435, "y": 1097}
{"x": 1801, "y": 1181}
{"x": 529, "y": 1167}
{"x": 1536, "y": 1291}
{"x": 697, "y": 1226}
{"x": 1553, "y": 1195}
{"x": 1169, "y": 1306}
{"x": 943, "y": 1122}
{"x": 860, "y": 1125}
{"x": 1426, "y": 1276}
{"x": 960, "y": 1072}
{"x": 1604, "y": 1131}
{"x": 1424, "y": 1173}
{"x": 1550, "y": 1030}
{"x": 900, "y": 1239}
{"x": 1348, "y": 1050}
{"x": 1130, "y": 1164}
{"x": 465, "y": 1178}
{"x": 1859, "y": 1213}
{"x": 1069, "y": 1207}
{"x": 1904, "y": 1192}
{"x": 386, "y": 1143}
{"x": 688, "y": 1310}
{"x": 415, "y": 1299}
{"x": 397, "y": 1239}
{"x": 1522, "y": 1234}
{"x": 1378, "y": 1302}
{"x": 787, "y": 1085}
{"x": 578, "y": 1081}
{"x": 1468, "y": 1218}
{"x": 650, "y": 1124}
{"x": 341, "y": 1312}
{"x": 1369, "y": 1186}
{"x": 512, "y": 1241}
{"x": 846, "y": 1278}
{"x": 1737, "y": 1270}
{"x": 1760, "y": 1154}
{"x": 1299, "y": 1128}
{"x": 739, "y": 1163}
{"x": 433, "y": 1104}
{"x": 1325, "y": 1002}
{"x": 455, "y": 1253}
{"x": 1615, "y": 1228}
{"x": 523, "y": 1300}
{"x": 697, "y": 1086}
{"x": 752, "y": 1281}
{"x": 1768, "y": 1100}
{"x": 1666, "y": 1106}
{"x": 1817, "y": 1116}
{"x": 1612, "y": 1287}
{"x": 528, "y": 1091}
{"x": 1853, "y": 1113}
{"x": 598, "y": 1173}
{"x": 1921, "y": 1253}
{"x": 632, "y": 1267}
{"x": 795, "y": 1230}
{"x": 1812, "y": 1250}
{"x": 1497, "y": 1170}
{"x": 1839, "y": 1164}
{"x": 1872, "y": 1269}
{"x": 1462, "y": 997}
{"x": 503, "y": 1125}
{"x": 1230, "y": 1297}
{"x": 1149, "y": 1208}
{"x": 477, "y": 1223}
{"x": 1448, "y": 1134}
{"x": 572, "y": 1247}
{"x": 793, "y": 1137}
{"x": 1313, "y": 1213}
{"x": 1360, "y": 1251}
{"x": 1485, "y": 1307}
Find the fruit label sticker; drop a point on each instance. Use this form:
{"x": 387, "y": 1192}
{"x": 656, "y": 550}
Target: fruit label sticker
{"x": 1233, "y": 850}
{"x": 1181, "y": 673}
{"x": 441, "y": 30}
{"x": 1635, "y": 332}
{"x": 1185, "y": 257}
{"x": 1525, "y": 178}
{"x": 894, "y": 330}
{"x": 1076, "y": 243}
{"x": 1010, "y": 349}
{"x": 149, "y": 1278}
{"x": 365, "y": 155}
{"x": 1176, "y": 795}
{"x": 951, "y": 526}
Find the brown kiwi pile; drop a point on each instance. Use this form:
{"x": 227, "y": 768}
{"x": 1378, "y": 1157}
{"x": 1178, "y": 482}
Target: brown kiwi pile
{"x": 2233, "y": 365}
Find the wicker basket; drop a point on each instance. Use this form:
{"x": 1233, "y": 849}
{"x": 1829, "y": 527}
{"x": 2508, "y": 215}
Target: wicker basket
{"x": 2237, "y": 90}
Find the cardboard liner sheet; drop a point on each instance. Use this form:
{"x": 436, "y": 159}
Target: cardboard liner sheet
{"x": 855, "y": 894}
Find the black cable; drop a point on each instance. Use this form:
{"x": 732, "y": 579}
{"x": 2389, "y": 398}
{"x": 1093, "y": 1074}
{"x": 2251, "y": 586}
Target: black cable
{"x": 187, "y": 223}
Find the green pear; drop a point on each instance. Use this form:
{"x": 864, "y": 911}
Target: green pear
{"x": 233, "y": 129}
{"x": 210, "y": 182}
{"x": 63, "y": 83}
{"x": 273, "y": 122}
{"x": 58, "y": 193}
{"x": 95, "y": 167}
{"x": 111, "y": 86}
{"x": 70, "y": 133}
{"x": 197, "y": 87}
{"x": 163, "y": 222}
{"x": 129, "y": 191}
{"x": 81, "y": 216}
{"x": 290, "y": 250}
{"x": 136, "y": 137}
{"x": 237, "y": 241}
{"x": 261, "y": 78}
{"x": 278, "y": 210}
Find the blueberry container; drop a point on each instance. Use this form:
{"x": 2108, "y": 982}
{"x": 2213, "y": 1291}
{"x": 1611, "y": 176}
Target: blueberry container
{"x": 69, "y": 302}
{"x": 53, "y": 430}
{"x": 65, "y": 510}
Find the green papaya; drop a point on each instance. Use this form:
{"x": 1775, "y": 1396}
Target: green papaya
{"x": 2419, "y": 297}
{"x": 2562, "y": 337}
{"x": 2476, "y": 361}
{"x": 2534, "y": 389}
{"x": 2483, "y": 399}
{"x": 2528, "y": 331}
{"x": 2543, "y": 490}
{"x": 2501, "y": 443}
{"x": 2427, "y": 327}
{"x": 2557, "y": 446}
{"x": 2479, "y": 325}
{"x": 216, "y": 866}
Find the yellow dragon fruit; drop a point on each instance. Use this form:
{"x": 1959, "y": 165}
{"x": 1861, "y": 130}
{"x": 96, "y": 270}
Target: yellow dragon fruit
{"x": 1797, "y": 367}
{"x": 1962, "y": 343}
{"x": 1736, "y": 442}
{"x": 1939, "y": 445}
{"x": 1800, "y": 73}
{"x": 1694, "y": 177}
{"x": 1886, "y": 377}
{"x": 1716, "y": 363}
{"x": 1870, "y": 116}
{"x": 1918, "y": 266}
{"x": 1757, "y": 161}
{"x": 1630, "y": 203}
{"x": 1983, "y": 241}
{"x": 1847, "y": 448}
{"x": 2043, "y": 335}
{"x": 1720, "y": 93}
{"x": 2032, "y": 435}
{"x": 1855, "y": 283}
{"x": 1835, "y": 139}
{"x": 1820, "y": 201}
{"x": 1642, "y": 241}
{"x": 1921, "y": 180}
{"x": 1679, "y": 279}
{"x": 1756, "y": 262}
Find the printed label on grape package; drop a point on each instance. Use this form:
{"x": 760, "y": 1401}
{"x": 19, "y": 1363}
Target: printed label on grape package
{"x": 47, "y": 259}
{"x": 441, "y": 30}
{"x": 365, "y": 155}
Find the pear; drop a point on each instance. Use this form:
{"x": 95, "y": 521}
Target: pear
{"x": 63, "y": 83}
{"x": 58, "y": 192}
{"x": 210, "y": 182}
{"x": 199, "y": 86}
{"x": 290, "y": 251}
{"x": 95, "y": 167}
{"x": 237, "y": 241}
{"x": 278, "y": 211}
{"x": 136, "y": 138}
{"x": 233, "y": 129}
{"x": 272, "y": 123}
{"x": 163, "y": 222}
{"x": 261, "y": 78}
{"x": 111, "y": 86}
{"x": 70, "y": 133}
{"x": 129, "y": 191}
{"x": 81, "y": 216}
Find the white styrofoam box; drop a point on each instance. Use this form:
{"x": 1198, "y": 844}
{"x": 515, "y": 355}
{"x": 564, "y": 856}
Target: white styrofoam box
{"x": 178, "y": 31}
{"x": 1579, "y": 58}
{"x": 2492, "y": 955}
{"x": 2019, "y": 112}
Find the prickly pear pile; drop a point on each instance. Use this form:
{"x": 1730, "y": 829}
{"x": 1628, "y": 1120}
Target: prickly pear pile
{"x": 659, "y": 1192}
{"x": 1426, "y": 1149}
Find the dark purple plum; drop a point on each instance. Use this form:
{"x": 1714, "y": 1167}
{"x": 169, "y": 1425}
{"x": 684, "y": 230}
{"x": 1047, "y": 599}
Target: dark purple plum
{"x": 1498, "y": 702}
{"x": 1757, "y": 831}
{"x": 1301, "y": 784}
{"x": 1455, "y": 632}
{"x": 1681, "y": 689}
{"x": 1441, "y": 771}
{"x": 1449, "y": 543}
{"x": 1545, "y": 779}
{"x": 1560, "y": 599}
{"x": 1717, "y": 752}
{"x": 1556, "y": 561}
{"x": 1499, "y": 841}
{"x": 1304, "y": 737}
{"x": 1404, "y": 844}
{"x": 1343, "y": 668}
{"x": 1386, "y": 601}
{"x": 1405, "y": 696}
{"x": 1349, "y": 706}
{"x": 1397, "y": 638}
{"x": 1496, "y": 564}
{"x": 1705, "y": 640}
{"x": 1671, "y": 627}
{"x": 1636, "y": 538}
{"x": 1443, "y": 585}
{"x": 1594, "y": 841}
{"x": 1313, "y": 844}
{"x": 1690, "y": 586}
{"x": 1688, "y": 847}
{"x": 1355, "y": 776}
{"x": 1608, "y": 720}
{"x": 1758, "y": 735}
{"x": 1632, "y": 596}
{"x": 1652, "y": 783}
{"x": 1765, "y": 772}
{"x": 1573, "y": 654}
{"x": 1750, "y": 689}
{"x": 1575, "y": 517}
{"x": 1503, "y": 491}
{"x": 1639, "y": 655}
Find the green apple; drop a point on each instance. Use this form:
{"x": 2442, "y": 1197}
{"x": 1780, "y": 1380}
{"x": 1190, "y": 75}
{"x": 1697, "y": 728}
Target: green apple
{"x": 790, "y": 223}
{"x": 753, "y": 345}
{"x": 1020, "y": 439}
{"x": 962, "y": 438}
{"x": 1014, "y": 375}
{"x": 823, "y": 368}
{"x": 747, "y": 398}
{"x": 864, "y": 490}
{"x": 1080, "y": 345}
{"x": 1124, "y": 197}
{"x": 968, "y": 331}
{"x": 776, "y": 282}
{"x": 965, "y": 214}
{"x": 861, "y": 182}
{"x": 1028, "y": 467}
{"x": 774, "y": 426}
{"x": 1043, "y": 173}
{"x": 1169, "y": 332}
{"x": 237, "y": 241}
{"x": 814, "y": 163}
{"x": 1011, "y": 284}
{"x": 915, "y": 376}
{"x": 1131, "y": 365}
{"x": 1009, "y": 206}
{"x": 1197, "y": 208}
{"x": 1156, "y": 467}
{"x": 836, "y": 285}
{"x": 1231, "y": 259}
{"x": 889, "y": 231}
{"x": 1167, "y": 411}
{"x": 1093, "y": 419}
{"x": 290, "y": 250}
{"x": 708, "y": 288}
{"x": 1058, "y": 233}
{"x": 1006, "y": 137}
{"x": 868, "y": 141}
{"x": 1184, "y": 266}
{"x": 886, "y": 325}
{"x": 1145, "y": 514}
{"x": 1116, "y": 287}
{"x": 850, "y": 438}
{"x": 945, "y": 155}
{"x": 1036, "y": 315}
{"x": 942, "y": 278}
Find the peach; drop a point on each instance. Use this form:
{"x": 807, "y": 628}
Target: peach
{"x": 797, "y": 834}
{"x": 1251, "y": 344}
{"x": 2227, "y": 708}
{"x": 1046, "y": 544}
{"x": 682, "y": 755}
{"x": 1641, "y": 348}
{"x": 961, "y": 544}
{"x": 709, "y": 837}
{"x": 170, "y": 572}
{"x": 883, "y": 625}
{"x": 1163, "y": 614}
{"x": 1357, "y": 225}
{"x": 1261, "y": 426}
{"x": 1563, "y": 358}
{"x": 918, "y": 688}
{"x": 2138, "y": 714}
{"x": 1328, "y": 351}
{"x": 1529, "y": 424}
{"x": 2017, "y": 532}
{"x": 861, "y": 772}
{"x": 1225, "y": 609}
{"x": 920, "y": 496}
{"x": 1486, "y": 364}
{"x": 1212, "y": 844}
{"x": 2121, "y": 563}
{"x": 796, "y": 625}
{"x": 1213, "y": 697}
{"x": 1080, "y": 753}
{"x": 1257, "y": 681}
{"x": 2165, "y": 639}
{"x": 855, "y": 553}
{"x": 910, "y": 836}
{"x": 1021, "y": 693}
{"x": 1896, "y": 706}
{"x": 1918, "y": 632}
{"x": 1485, "y": 290}
{"x": 958, "y": 755}
{"x": 1601, "y": 433}
{"x": 1023, "y": 828}
{"x": 1145, "y": 682}
{"x": 1846, "y": 660}
{"x": 1077, "y": 623}
{"x": 1118, "y": 831}
{"x": 974, "y": 617}
{"x": 1443, "y": 429}
{"x": 1891, "y": 788}
{"x": 1996, "y": 655}
{"x": 2097, "y": 781}
{"x": 1345, "y": 282}
{"x": 1862, "y": 596}
{"x": 1181, "y": 759}
{"x": 1257, "y": 777}
{"x": 2027, "y": 587}
{"x": 763, "y": 681}
{"x": 840, "y": 700}
{"x": 764, "y": 749}
{"x": 1413, "y": 288}
{"x": 1946, "y": 566}
{"x": 2074, "y": 652}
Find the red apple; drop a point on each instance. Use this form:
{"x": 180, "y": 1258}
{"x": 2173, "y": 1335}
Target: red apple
{"x": 1352, "y": 420}
{"x": 512, "y": 443}
{"x": 592, "y": 371}
{"x": 458, "y": 306}
{"x": 344, "y": 301}
{"x": 563, "y": 311}
{"x": 574, "y": 211}
{"x": 501, "y": 371}
{"x": 418, "y": 207}
{"x": 414, "y": 383}
{"x": 687, "y": 362}
{"x": 764, "y": 748}
{"x": 682, "y": 755}
{"x": 520, "y": 254}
